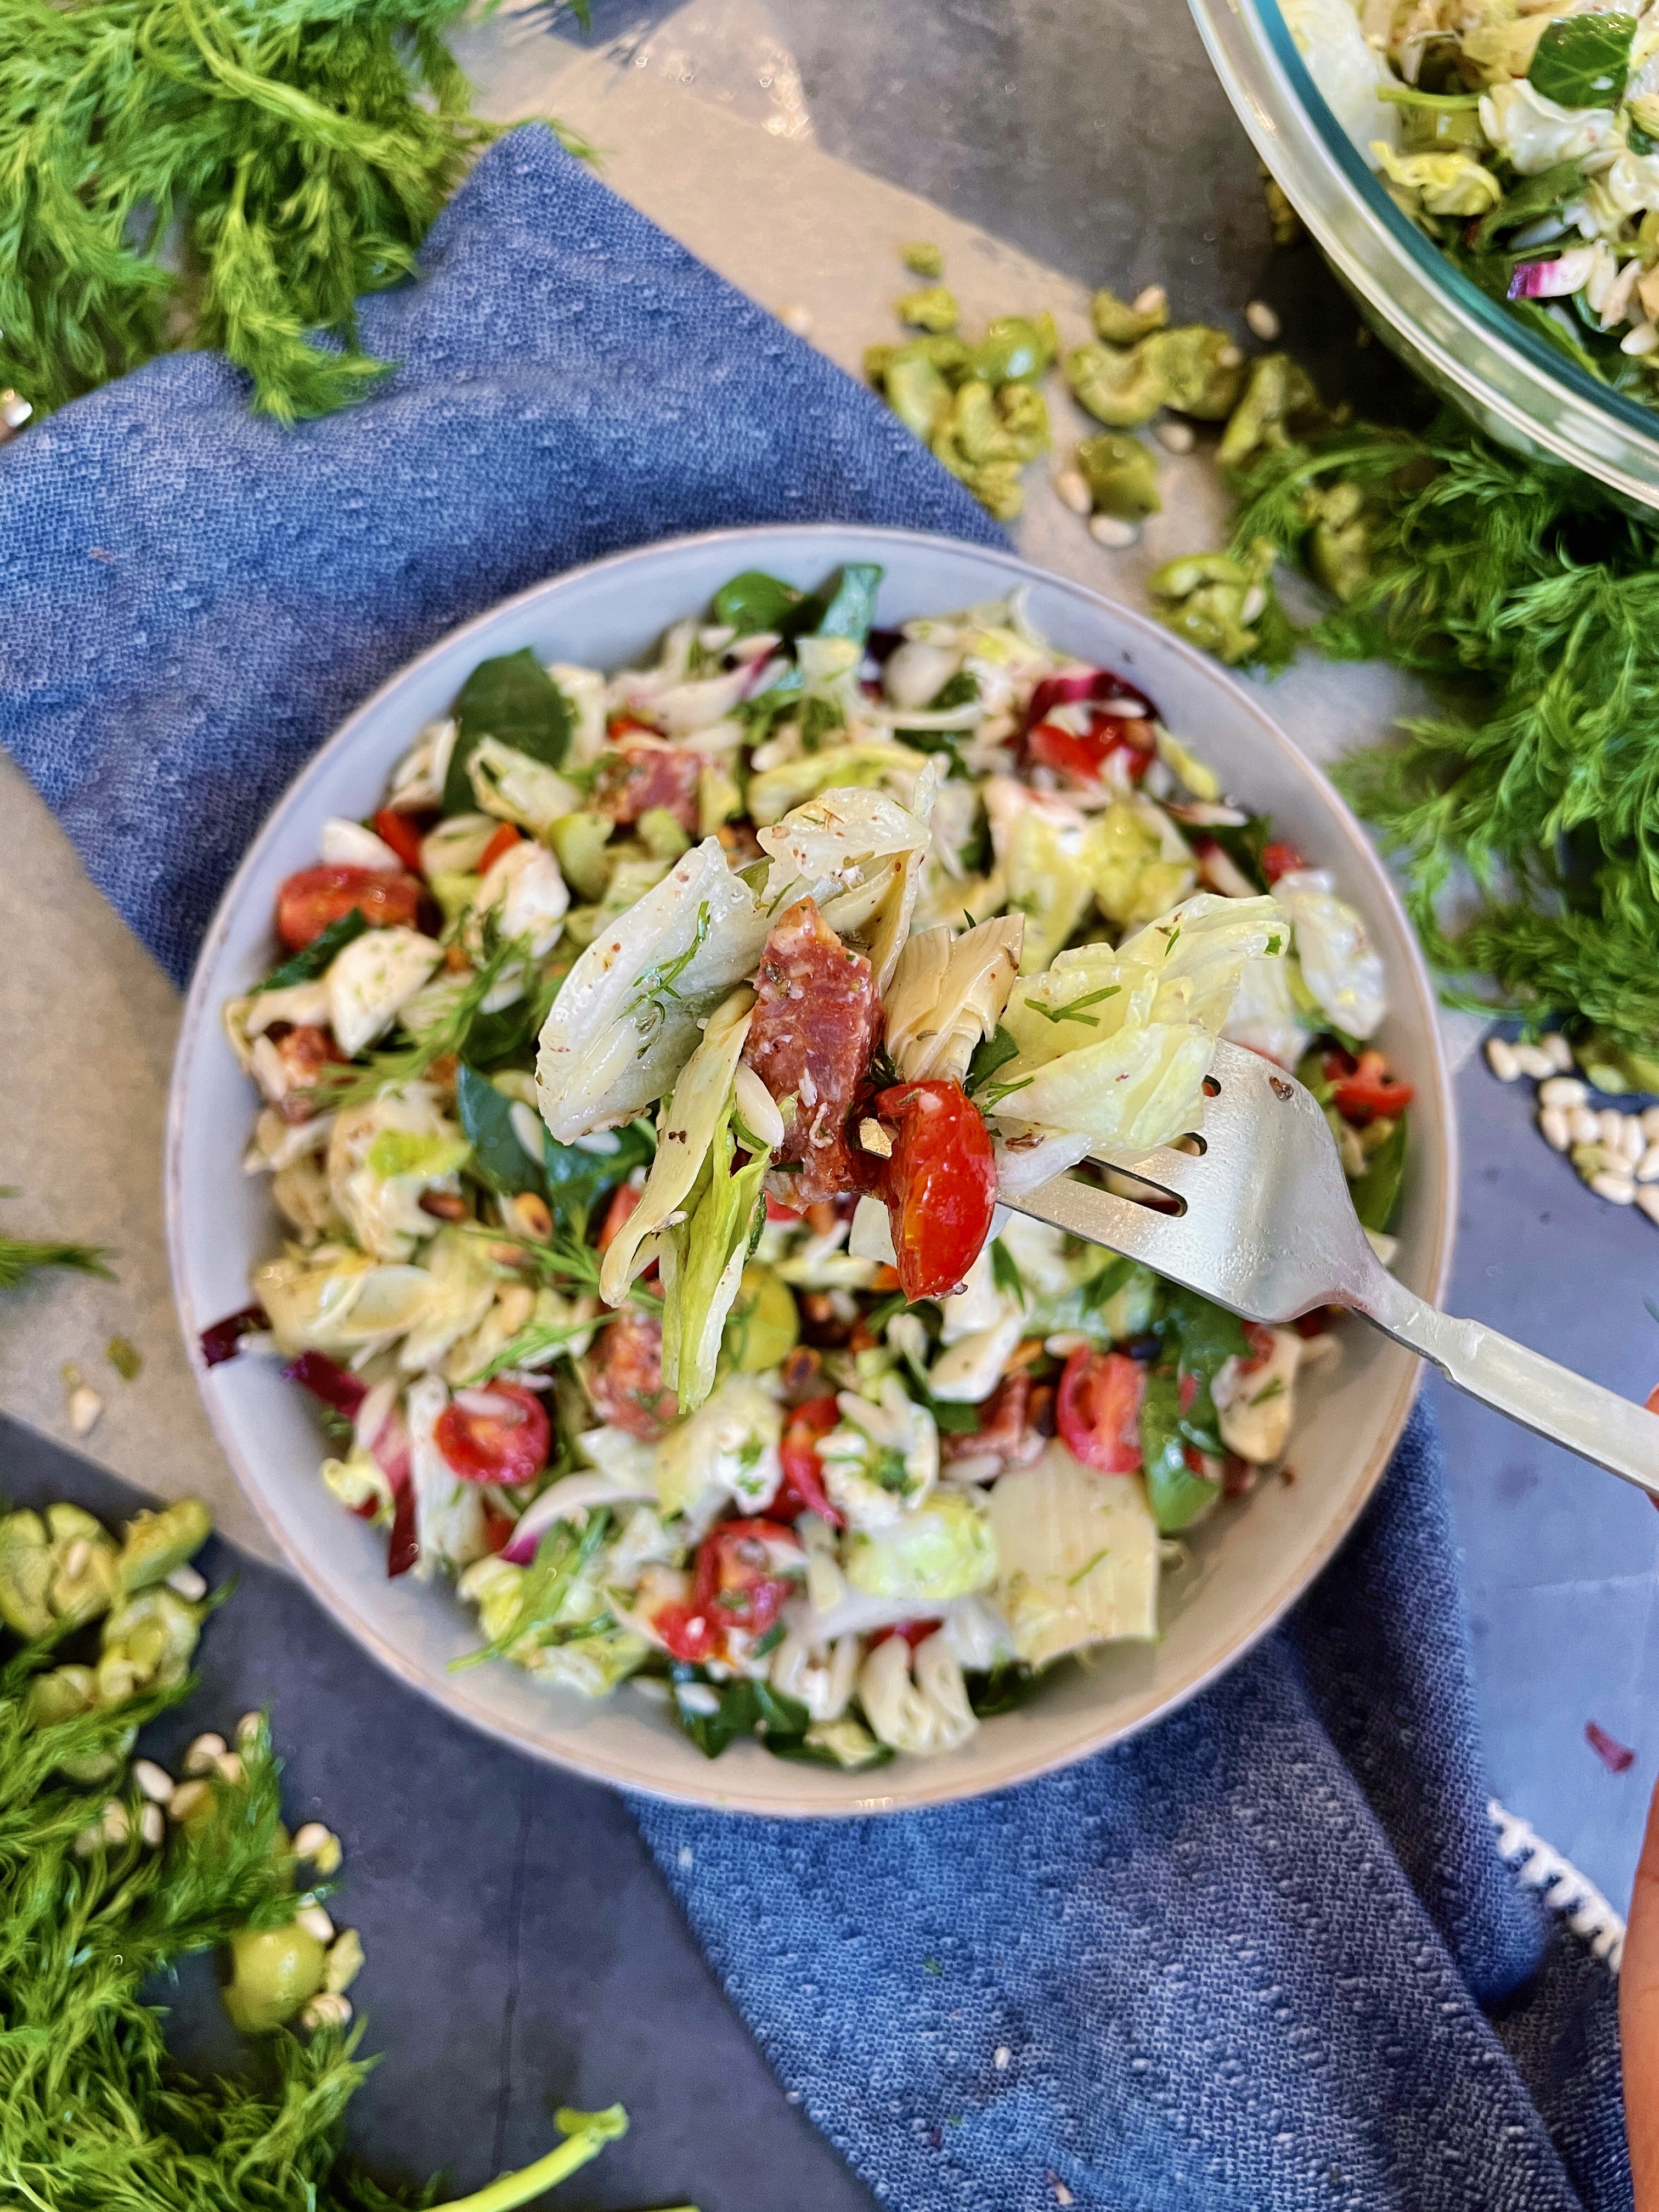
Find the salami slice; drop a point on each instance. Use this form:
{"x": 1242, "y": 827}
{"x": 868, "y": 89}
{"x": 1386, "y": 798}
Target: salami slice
{"x": 814, "y": 1026}
{"x": 635, "y": 780}
{"x": 624, "y": 1376}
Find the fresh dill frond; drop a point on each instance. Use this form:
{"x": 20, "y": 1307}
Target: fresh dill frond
{"x": 22, "y": 1256}
{"x": 446, "y": 1038}
{"x": 296, "y": 151}
{"x": 1529, "y": 600}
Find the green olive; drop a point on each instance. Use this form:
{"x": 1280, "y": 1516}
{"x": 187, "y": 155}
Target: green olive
{"x": 933, "y": 308}
{"x": 1014, "y": 349}
{"x": 1120, "y": 325}
{"x": 1122, "y": 476}
{"x": 1120, "y": 389}
{"x": 917, "y": 391}
{"x": 764, "y": 1327}
{"x": 271, "y": 1973}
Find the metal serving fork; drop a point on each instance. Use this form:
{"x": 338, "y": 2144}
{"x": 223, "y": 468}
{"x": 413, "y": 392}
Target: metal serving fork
{"x": 1267, "y": 1229}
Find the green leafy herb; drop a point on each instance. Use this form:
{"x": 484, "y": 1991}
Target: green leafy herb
{"x": 450, "y": 1035}
{"x": 486, "y": 1119}
{"x": 1005, "y": 1272}
{"x": 530, "y": 1346}
{"x": 316, "y": 959}
{"x": 1269, "y": 1391}
{"x": 658, "y": 985}
{"x": 560, "y": 1557}
{"x": 1003, "y": 1690}
{"x": 1087, "y": 1568}
{"x": 1073, "y": 1012}
{"x": 1244, "y": 843}
{"x": 19, "y": 1258}
{"x": 1177, "y": 1496}
{"x": 1532, "y": 199}
{"x": 990, "y": 1054}
{"x": 514, "y": 700}
{"x": 113, "y": 2123}
{"x": 1583, "y": 61}
{"x": 1529, "y": 596}
{"x": 297, "y": 154}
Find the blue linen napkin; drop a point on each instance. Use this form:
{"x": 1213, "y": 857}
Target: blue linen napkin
{"x": 1263, "y": 1956}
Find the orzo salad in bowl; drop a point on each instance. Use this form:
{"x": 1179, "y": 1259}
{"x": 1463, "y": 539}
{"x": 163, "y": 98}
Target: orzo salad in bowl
{"x": 631, "y": 1090}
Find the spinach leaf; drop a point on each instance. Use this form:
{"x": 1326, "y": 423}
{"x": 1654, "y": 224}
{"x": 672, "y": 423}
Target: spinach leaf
{"x": 745, "y": 1708}
{"x": 843, "y": 1744}
{"x": 850, "y": 609}
{"x": 990, "y": 1054}
{"x": 1376, "y": 1194}
{"x": 575, "y": 1178}
{"x": 1534, "y": 198}
{"x": 1583, "y": 61}
{"x": 486, "y": 1118}
{"x": 1006, "y": 1687}
{"x": 316, "y": 959}
{"x": 754, "y": 601}
{"x": 1176, "y": 1495}
{"x": 514, "y": 700}
{"x": 1204, "y": 1338}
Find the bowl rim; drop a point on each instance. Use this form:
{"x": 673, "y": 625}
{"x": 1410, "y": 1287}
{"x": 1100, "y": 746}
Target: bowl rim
{"x": 201, "y": 1005}
{"x": 1544, "y": 400}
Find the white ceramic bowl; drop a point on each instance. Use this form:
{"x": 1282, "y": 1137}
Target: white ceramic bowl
{"x": 1249, "y": 1564}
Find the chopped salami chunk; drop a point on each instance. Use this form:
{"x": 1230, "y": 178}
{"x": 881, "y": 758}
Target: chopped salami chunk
{"x": 1004, "y": 1432}
{"x": 624, "y": 1376}
{"x": 814, "y": 1025}
{"x": 637, "y": 779}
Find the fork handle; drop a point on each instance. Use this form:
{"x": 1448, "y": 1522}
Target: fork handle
{"x": 1541, "y": 1395}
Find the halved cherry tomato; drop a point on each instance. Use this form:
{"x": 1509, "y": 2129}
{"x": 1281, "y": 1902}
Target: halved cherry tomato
{"x": 1369, "y": 1091}
{"x": 1281, "y": 859}
{"x": 505, "y": 1441}
{"x": 736, "y": 1579}
{"x": 802, "y": 1489}
{"x": 941, "y": 1184}
{"x": 504, "y": 842}
{"x": 1099, "y": 1409}
{"x": 1086, "y": 758}
{"x": 399, "y": 832}
{"x": 498, "y": 1529}
{"x": 1261, "y": 1341}
{"x": 687, "y": 1631}
{"x": 308, "y": 902}
{"x": 777, "y": 1210}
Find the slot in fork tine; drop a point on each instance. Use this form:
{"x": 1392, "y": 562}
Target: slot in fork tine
{"x": 1174, "y": 1245}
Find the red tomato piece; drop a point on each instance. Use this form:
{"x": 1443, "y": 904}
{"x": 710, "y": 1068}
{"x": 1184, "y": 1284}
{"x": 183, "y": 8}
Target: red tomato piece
{"x": 1087, "y": 758}
{"x": 1280, "y": 858}
{"x": 498, "y": 1529}
{"x": 400, "y": 832}
{"x": 500, "y": 1435}
{"x": 309, "y": 901}
{"x": 1099, "y": 1409}
{"x": 802, "y": 1490}
{"x": 623, "y": 1199}
{"x": 504, "y": 842}
{"x": 1371, "y": 1090}
{"x": 941, "y": 1184}
{"x": 625, "y": 1376}
{"x": 737, "y": 1583}
{"x": 687, "y": 1631}
{"x": 1261, "y": 1340}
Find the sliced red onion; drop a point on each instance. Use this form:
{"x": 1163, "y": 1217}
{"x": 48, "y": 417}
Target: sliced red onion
{"x": 1553, "y": 280}
{"x": 222, "y": 1339}
{"x": 335, "y": 1385}
{"x": 573, "y": 1495}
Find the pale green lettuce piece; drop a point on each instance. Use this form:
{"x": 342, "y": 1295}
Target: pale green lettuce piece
{"x": 1047, "y": 882}
{"x": 942, "y": 1550}
{"x": 866, "y": 764}
{"x": 726, "y": 1450}
{"x": 1137, "y": 861}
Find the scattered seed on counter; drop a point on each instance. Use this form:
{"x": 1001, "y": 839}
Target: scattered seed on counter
{"x": 1176, "y": 437}
{"x": 1500, "y": 1058}
{"x": 1556, "y": 1129}
{"x": 1648, "y": 1200}
{"x": 1108, "y": 530}
{"x": 1585, "y": 1126}
{"x": 1562, "y": 1090}
{"x": 1532, "y": 1059}
{"x": 84, "y": 1407}
{"x": 1072, "y": 491}
{"x": 1610, "y": 1127}
{"x": 1264, "y": 323}
{"x": 1646, "y": 1168}
{"x": 798, "y": 319}
{"x": 1559, "y": 1050}
{"x": 1616, "y": 1189}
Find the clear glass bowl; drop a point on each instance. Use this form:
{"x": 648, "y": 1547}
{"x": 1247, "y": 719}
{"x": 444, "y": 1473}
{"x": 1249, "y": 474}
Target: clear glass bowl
{"x": 1463, "y": 344}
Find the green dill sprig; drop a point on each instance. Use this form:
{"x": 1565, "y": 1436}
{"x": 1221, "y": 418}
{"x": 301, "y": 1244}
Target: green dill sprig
{"x": 298, "y": 152}
{"x": 445, "y": 1038}
{"x": 22, "y": 1256}
{"x": 1529, "y": 599}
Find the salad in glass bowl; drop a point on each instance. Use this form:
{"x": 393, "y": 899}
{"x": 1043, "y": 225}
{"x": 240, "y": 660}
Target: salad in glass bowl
{"x": 1525, "y": 142}
{"x": 637, "y": 1088}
